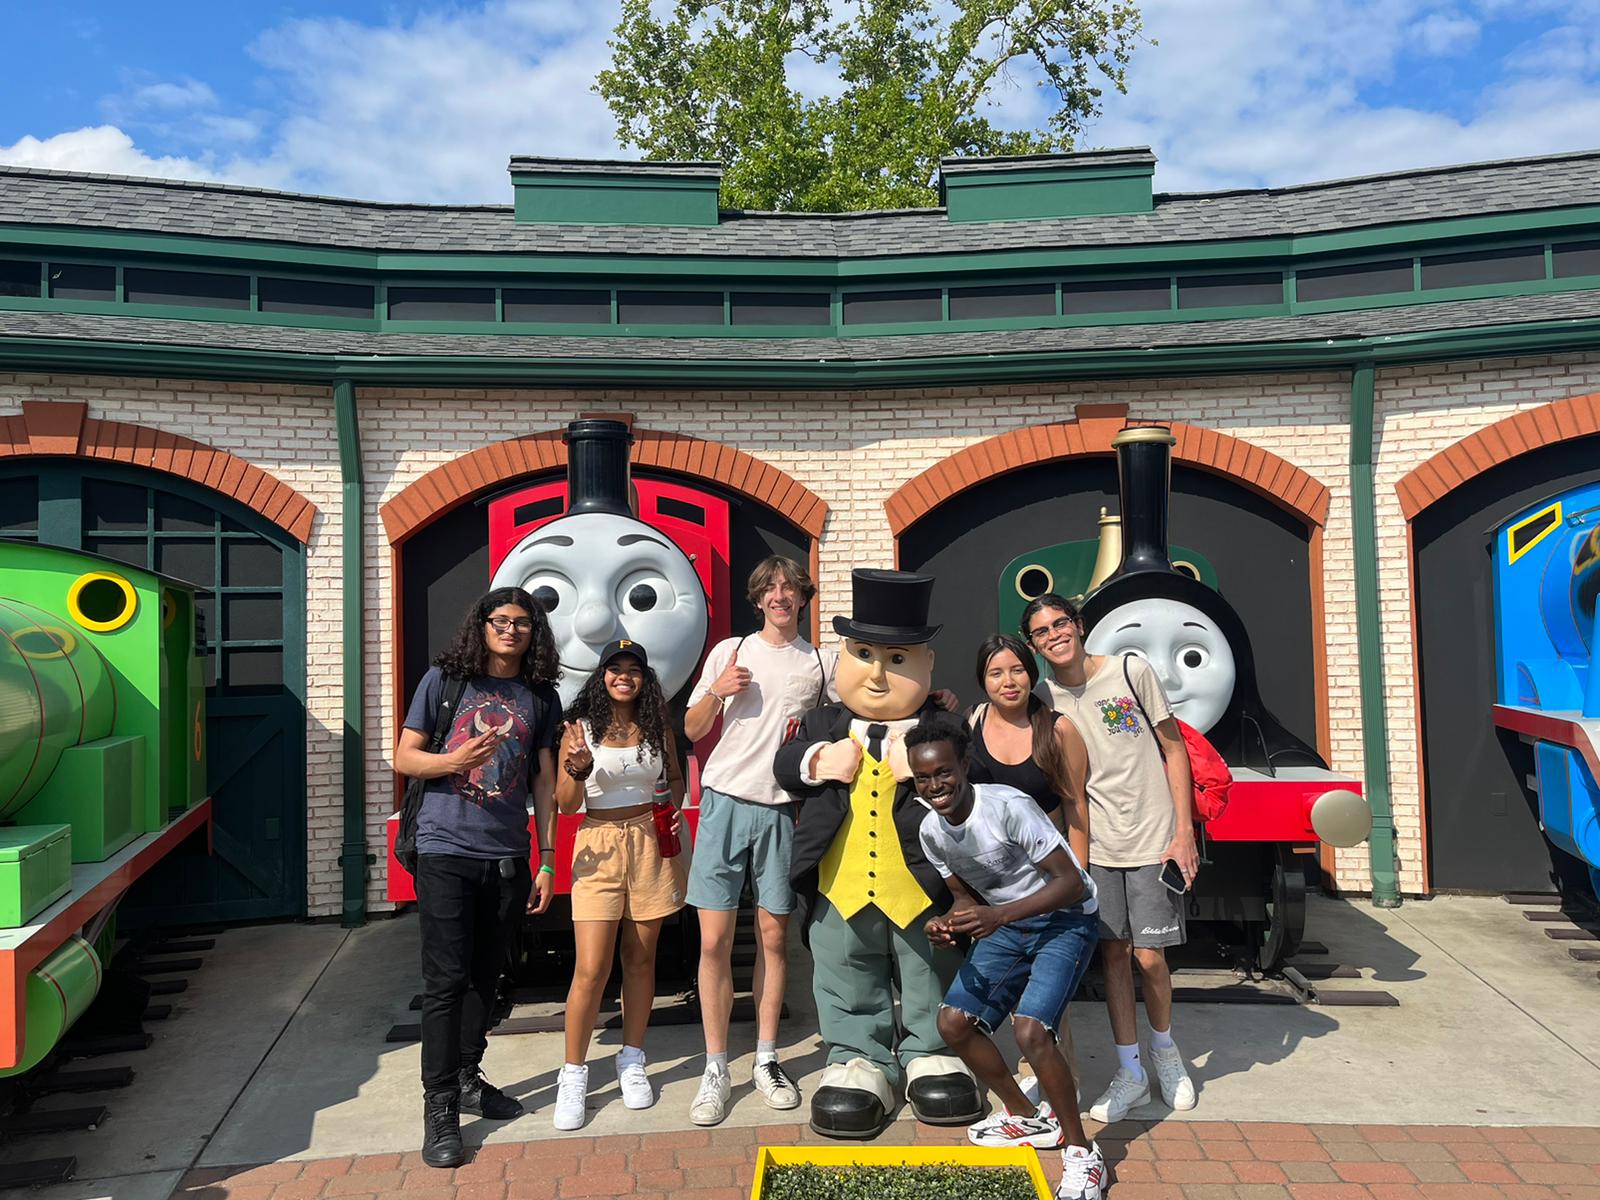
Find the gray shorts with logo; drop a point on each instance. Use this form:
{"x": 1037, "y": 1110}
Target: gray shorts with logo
{"x": 1135, "y": 906}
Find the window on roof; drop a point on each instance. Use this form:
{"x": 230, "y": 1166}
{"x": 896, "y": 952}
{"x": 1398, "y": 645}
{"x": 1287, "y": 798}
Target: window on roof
{"x": 1356, "y": 279}
{"x": 74, "y": 281}
{"x": 1577, "y": 258}
{"x": 781, "y": 308}
{"x": 1115, "y": 296}
{"x": 557, "y": 306}
{"x": 195, "y": 289}
{"x": 669, "y": 308}
{"x": 19, "y": 279}
{"x": 441, "y": 304}
{"x": 887, "y": 308}
{"x": 1475, "y": 268}
{"x": 1230, "y": 291}
{"x": 994, "y": 303}
{"x": 315, "y": 298}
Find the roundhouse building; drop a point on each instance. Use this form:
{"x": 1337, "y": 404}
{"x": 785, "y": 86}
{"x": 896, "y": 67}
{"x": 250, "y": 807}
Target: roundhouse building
{"x": 308, "y": 405}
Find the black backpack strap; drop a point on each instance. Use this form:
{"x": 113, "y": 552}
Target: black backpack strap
{"x": 449, "y": 699}
{"x": 1148, "y": 723}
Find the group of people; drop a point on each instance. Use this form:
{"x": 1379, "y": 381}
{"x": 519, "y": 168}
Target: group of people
{"x": 1048, "y": 815}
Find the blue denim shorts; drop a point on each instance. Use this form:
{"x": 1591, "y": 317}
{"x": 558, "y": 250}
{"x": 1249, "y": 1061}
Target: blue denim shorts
{"x": 738, "y": 840}
{"x": 1031, "y": 968}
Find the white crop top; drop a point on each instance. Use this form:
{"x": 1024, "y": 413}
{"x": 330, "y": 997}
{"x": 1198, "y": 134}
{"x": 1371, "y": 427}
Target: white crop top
{"x": 619, "y": 779}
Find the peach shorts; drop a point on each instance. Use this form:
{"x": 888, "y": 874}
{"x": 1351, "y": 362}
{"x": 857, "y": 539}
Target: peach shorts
{"x": 618, "y": 872}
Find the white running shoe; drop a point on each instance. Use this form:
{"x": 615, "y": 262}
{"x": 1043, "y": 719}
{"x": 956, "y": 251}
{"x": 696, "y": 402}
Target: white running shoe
{"x": 711, "y": 1101}
{"x": 636, "y": 1089}
{"x": 773, "y": 1082}
{"x": 1003, "y": 1129}
{"x": 572, "y": 1097}
{"x": 1126, "y": 1092}
{"x": 1083, "y": 1173}
{"x": 1177, "y": 1089}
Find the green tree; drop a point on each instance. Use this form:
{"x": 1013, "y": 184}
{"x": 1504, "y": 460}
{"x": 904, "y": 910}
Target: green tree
{"x": 895, "y": 85}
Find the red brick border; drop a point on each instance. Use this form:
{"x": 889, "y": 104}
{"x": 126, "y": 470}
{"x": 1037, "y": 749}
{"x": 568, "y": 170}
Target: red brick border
{"x": 1576, "y": 416}
{"x": 1090, "y": 432}
{"x": 64, "y": 429}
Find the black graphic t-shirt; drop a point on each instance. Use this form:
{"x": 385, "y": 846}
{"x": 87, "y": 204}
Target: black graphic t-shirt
{"x": 484, "y": 812}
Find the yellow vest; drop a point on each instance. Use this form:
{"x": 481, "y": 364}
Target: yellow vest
{"x": 865, "y": 864}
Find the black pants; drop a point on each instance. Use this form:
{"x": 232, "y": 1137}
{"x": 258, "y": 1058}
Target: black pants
{"x": 469, "y": 914}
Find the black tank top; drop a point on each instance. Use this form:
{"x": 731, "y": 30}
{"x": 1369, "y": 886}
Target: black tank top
{"x": 1026, "y": 776}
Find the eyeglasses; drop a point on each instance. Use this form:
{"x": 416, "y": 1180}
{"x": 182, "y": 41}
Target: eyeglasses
{"x": 1059, "y": 625}
{"x": 521, "y": 624}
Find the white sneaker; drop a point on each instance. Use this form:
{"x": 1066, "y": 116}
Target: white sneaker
{"x": 636, "y": 1089}
{"x": 1083, "y": 1173}
{"x": 711, "y": 1101}
{"x": 1177, "y": 1089}
{"x": 773, "y": 1082}
{"x": 572, "y": 1097}
{"x": 1003, "y": 1129}
{"x": 1125, "y": 1092}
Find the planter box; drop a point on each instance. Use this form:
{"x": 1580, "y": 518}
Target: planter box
{"x": 846, "y": 1157}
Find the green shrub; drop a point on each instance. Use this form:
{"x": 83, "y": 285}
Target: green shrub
{"x": 905, "y": 1182}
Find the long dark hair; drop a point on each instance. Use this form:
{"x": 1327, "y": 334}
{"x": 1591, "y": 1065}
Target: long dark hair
{"x": 1046, "y": 750}
{"x": 593, "y": 706}
{"x": 468, "y": 654}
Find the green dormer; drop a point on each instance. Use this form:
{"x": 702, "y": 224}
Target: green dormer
{"x": 1024, "y": 186}
{"x": 574, "y": 191}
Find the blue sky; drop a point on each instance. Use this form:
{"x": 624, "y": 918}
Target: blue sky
{"x": 425, "y": 101}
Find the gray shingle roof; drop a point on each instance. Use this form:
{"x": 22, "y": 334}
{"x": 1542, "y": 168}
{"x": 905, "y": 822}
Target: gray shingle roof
{"x": 52, "y": 198}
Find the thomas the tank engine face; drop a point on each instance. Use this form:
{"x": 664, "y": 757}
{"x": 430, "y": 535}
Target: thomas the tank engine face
{"x": 601, "y": 576}
{"x": 1190, "y": 655}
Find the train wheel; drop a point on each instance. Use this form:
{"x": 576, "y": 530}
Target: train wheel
{"x": 1286, "y": 912}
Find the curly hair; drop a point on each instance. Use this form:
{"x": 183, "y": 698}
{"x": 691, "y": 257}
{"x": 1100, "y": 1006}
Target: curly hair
{"x": 593, "y": 706}
{"x": 941, "y": 727}
{"x": 468, "y": 654}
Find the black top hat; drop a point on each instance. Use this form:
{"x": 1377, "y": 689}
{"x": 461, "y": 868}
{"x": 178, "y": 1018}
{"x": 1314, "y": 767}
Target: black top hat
{"x": 889, "y": 608}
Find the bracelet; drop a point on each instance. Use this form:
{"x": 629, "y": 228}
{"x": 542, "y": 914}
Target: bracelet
{"x": 547, "y": 869}
{"x": 587, "y": 771}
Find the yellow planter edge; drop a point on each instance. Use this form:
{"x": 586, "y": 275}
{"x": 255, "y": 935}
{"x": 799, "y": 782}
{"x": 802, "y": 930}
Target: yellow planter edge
{"x": 896, "y": 1156}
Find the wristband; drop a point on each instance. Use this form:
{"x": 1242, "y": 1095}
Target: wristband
{"x": 546, "y": 869}
{"x": 580, "y": 777}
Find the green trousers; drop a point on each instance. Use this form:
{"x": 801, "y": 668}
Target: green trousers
{"x": 854, "y": 964}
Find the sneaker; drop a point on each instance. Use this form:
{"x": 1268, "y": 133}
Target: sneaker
{"x": 572, "y": 1097}
{"x": 1177, "y": 1089}
{"x": 1083, "y": 1173}
{"x": 1030, "y": 1088}
{"x": 637, "y": 1091}
{"x": 1125, "y": 1092}
{"x": 480, "y": 1096}
{"x": 773, "y": 1082}
{"x": 441, "y": 1130}
{"x": 1003, "y": 1129}
{"x": 711, "y": 1102}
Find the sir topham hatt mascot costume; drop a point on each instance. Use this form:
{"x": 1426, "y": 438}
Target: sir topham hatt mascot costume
{"x": 858, "y": 863}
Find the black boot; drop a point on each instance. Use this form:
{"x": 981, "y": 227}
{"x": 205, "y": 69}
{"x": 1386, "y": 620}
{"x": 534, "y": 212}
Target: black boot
{"x": 441, "y": 1130}
{"x": 480, "y": 1096}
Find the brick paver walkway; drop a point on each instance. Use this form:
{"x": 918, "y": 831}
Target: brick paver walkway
{"x": 1170, "y": 1160}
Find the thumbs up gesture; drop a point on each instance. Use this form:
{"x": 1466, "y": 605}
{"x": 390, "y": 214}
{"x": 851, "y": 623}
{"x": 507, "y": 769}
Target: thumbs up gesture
{"x": 733, "y": 679}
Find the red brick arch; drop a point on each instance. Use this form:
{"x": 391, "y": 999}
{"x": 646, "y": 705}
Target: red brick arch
{"x": 1090, "y": 432}
{"x": 64, "y": 429}
{"x": 446, "y": 486}
{"x": 1577, "y": 416}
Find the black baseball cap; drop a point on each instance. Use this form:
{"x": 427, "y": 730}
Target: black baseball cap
{"x": 623, "y": 646}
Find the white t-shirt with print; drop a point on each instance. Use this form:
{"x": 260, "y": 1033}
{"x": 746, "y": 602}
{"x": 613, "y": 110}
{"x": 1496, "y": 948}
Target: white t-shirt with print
{"x": 997, "y": 850}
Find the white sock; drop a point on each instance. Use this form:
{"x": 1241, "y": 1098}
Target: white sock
{"x": 1161, "y": 1039}
{"x": 631, "y": 1054}
{"x": 1128, "y": 1060}
{"x": 717, "y": 1060}
{"x": 766, "y": 1051}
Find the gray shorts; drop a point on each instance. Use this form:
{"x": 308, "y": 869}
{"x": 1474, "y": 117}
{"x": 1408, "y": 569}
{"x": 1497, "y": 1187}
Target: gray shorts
{"x": 738, "y": 840}
{"x": 1135, "y": 906}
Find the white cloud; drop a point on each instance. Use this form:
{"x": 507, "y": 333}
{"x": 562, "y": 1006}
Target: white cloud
{"x": 99, "y": 148}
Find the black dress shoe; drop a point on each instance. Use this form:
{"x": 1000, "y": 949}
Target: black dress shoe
{"x": 945, "y": 1099}
{"x": 839, "y": 1112}
{"x": 480, "y": 1096}
{"x": 441, "y": 1130}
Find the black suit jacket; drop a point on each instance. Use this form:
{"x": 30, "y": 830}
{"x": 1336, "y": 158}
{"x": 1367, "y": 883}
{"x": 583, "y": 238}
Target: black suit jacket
{"x": 824, "y": 807}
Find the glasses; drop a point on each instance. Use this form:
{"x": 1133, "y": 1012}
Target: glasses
{"x": 1059, "y": 625}
{"x": 521, "y": 624}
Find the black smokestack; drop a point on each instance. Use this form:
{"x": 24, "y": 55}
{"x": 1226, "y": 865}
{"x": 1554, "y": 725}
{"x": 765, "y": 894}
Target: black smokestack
{"x": 1144, "y": 479}
{"x": 599, "y": 479}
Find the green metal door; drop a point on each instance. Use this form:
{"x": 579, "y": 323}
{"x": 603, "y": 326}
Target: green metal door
{"x": 251, "y": 601}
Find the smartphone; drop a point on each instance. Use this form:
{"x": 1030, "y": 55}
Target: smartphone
{"x": 1172, "y": 877}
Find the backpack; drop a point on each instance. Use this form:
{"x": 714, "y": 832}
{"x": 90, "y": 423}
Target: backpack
{"x": 1212, "y": 778}
{"x": 405, "y": 838}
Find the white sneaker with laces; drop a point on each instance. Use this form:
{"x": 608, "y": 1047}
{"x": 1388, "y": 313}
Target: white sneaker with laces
{"x": 636, "y": 1089}
{"x": 1083, "y": 1173}
{"x": 711, "y": 1101}
{"x": 572, "y": 1097}
{"x": 1177, "y": 1089}
{"x": 1126, "y": 1091}
{"x": 1003, "y": 1129}
{"x": 773, "y": 1082}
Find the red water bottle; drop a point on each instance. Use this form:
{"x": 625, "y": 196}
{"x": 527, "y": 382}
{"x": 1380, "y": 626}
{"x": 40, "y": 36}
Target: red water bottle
{"x": 664, "y": 812}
